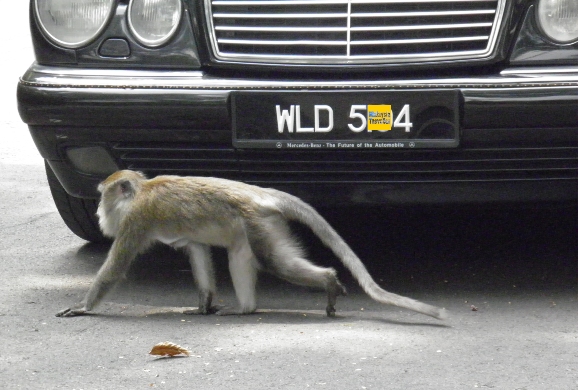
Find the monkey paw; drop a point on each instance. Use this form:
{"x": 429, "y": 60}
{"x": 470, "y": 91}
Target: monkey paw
{"x": 230, "y": 311}
{"x": 330, "y": 310}
{"x": 204, "y": 311}
{"x": 72, "y": 312}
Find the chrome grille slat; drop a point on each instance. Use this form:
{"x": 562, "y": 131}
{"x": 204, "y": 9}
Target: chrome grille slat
{"x": 303, "y": 42}
{"x": 352, "y": 31}
{"x": 426, "y": 13}
{"x": 278, "y": 16}
{"x": 425, "y": 27}
{"x": 411, "y": 41}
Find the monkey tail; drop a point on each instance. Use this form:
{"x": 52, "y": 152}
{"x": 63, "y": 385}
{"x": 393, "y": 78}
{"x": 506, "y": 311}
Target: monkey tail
{"x": 295, "y": 209}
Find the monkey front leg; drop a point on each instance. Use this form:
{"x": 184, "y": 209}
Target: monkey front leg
{"x": 202, "y": 267}
{"x": 118, "y": 261}
{"x": 98, "y": 290}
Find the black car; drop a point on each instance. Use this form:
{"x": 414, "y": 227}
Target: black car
{"x": 337, "y": 101}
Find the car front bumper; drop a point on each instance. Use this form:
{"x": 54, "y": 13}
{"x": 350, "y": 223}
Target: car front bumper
{"x": 518, "y": 135}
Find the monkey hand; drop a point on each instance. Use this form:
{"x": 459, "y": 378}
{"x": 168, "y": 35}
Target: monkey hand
{"x": 74, "y": 311}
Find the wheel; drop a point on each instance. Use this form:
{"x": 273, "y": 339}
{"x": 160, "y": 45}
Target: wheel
{"x": 78, "y": 214}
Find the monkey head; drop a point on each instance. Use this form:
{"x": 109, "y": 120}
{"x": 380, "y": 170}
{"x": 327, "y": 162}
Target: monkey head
{"x": 117, "y": 192}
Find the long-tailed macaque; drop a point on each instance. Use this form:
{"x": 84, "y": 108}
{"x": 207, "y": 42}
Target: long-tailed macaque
{"x": 195, "y": 213}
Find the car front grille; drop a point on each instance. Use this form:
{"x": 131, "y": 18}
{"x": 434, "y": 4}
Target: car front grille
{"x": 270, "y": 167}
{"x": 352, "y": 31}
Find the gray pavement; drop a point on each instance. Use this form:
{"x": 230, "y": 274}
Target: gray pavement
{"x": 522, "y": 282}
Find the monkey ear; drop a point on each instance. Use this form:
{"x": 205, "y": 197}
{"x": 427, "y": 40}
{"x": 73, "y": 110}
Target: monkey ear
{"x": 125, "y": 188}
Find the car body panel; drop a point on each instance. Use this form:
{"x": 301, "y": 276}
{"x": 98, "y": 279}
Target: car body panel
{"x": 168, "y": 111}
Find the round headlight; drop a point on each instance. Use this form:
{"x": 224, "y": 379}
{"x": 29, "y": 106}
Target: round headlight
{"x": 153, "y": 22}
{"x": 559, "y": 19}
{"x": 73, "y": 23}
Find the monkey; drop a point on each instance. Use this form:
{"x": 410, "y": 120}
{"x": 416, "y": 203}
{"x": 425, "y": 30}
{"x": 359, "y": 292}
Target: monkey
{"x": 251, "y": 222}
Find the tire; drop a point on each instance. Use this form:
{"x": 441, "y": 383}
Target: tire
{"x": 77, "y": 213}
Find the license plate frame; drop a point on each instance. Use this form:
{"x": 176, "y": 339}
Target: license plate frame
{"x": 367, "y": 119}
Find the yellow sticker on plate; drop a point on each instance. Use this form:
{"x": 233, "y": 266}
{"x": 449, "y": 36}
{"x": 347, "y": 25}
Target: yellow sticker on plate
{"x": 379, "y": 117}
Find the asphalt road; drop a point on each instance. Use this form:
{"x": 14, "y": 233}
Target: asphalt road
{"x": 508, "y": 276}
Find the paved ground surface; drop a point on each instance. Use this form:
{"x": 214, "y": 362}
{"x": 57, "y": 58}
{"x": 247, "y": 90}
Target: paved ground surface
{"x": 516, "y": 266}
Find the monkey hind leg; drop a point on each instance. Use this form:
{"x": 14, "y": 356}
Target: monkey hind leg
{"x": 288, "y": 262}
{"x": 243, "y": 268}
{"x": 301, "y": 272}
{"x": 244, "y": 277}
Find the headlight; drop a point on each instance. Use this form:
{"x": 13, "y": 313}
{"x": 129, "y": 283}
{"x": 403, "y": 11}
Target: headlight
{"x": 559, "y": 19}
{"x": 73, "y": 23}
{"x": 153, "y": 22}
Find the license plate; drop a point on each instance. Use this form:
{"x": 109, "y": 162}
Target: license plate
{"x": 346, "y": 120}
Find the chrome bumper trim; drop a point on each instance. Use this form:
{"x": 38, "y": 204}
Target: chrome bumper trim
{"x": 60, "y": 77}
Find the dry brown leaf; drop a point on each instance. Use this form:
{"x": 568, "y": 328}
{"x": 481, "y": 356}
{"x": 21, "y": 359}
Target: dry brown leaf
{"x": 169, "y": 349}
